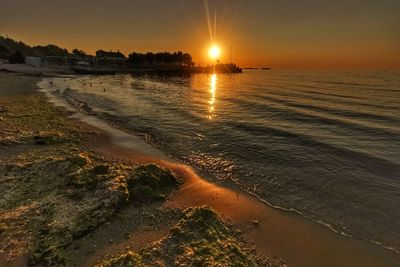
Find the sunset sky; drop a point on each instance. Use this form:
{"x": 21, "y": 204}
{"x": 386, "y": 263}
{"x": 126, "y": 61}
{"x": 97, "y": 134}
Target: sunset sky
{"x": 275, "y": 33}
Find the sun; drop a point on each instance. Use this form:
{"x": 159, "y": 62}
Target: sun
{"x": 214, "y": 52}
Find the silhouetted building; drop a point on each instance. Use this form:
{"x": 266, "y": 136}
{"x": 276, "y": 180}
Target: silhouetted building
{"x": 115, "y": 59}
{"x": 4, "y": 61}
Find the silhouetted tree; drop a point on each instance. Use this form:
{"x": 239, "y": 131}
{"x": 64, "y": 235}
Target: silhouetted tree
{"x": 4, "y": 52}
{"x": 16, "y": 58}
{"x": 161, "y": 58}
{"x": 13, "y": 46}
{"x": 187, "y": 60}
{"x": 102, "y": 53}
{"x": 49, "y": 50}
{"x": 79, "y": 53}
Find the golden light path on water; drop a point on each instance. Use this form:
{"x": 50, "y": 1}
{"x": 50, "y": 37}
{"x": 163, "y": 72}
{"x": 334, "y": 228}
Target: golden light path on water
{"x": 213, "y": 89}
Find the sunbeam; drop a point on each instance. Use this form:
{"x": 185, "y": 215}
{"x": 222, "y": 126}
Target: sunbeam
{"x": 206, "y": 7}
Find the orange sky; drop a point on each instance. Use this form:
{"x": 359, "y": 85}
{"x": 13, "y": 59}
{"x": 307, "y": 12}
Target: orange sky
{"x": 280, "y": 34}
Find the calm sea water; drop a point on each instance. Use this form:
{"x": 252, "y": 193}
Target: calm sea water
{"x": 326, "y": 144}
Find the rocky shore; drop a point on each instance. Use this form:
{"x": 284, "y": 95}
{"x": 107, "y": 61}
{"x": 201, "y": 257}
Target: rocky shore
{"x": 79, "y": 192}
{"x": 64, "y": 204}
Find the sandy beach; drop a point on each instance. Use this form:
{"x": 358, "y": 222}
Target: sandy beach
{"x": 65, "y": 203}
{"x": 74, "y": 194}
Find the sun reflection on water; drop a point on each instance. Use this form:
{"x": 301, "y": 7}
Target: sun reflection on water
{"x": 211, "y": 102}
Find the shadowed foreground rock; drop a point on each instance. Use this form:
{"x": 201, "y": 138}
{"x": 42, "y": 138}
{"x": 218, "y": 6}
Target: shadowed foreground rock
{"x": 151, "y": 182}
{"x": 200, "y": 238}
{"x": 61, "y": 199}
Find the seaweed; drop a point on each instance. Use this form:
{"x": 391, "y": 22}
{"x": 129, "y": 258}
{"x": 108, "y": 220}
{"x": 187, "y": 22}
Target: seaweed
{"x": 99, "y": 191}
{"x": 150, "y": 183}
{"x": 200, "y": 238}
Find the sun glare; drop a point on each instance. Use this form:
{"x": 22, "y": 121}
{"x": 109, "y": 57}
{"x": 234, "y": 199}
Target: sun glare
{"x": 214, "y": 52}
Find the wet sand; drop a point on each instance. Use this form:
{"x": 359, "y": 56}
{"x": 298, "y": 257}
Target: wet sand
{"x": 282, "y": 234}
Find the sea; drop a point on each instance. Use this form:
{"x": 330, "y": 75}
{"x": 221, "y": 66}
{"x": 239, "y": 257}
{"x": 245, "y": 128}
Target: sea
{"x": 324, "y": 144}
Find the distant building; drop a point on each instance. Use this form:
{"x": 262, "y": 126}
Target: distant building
{"x": 34, "y": 61}
{"x": 51, "y": 61}
{"x": 83, "y": 63}
{"x": 59, "y": 61}
{"x": 4, "y": 61}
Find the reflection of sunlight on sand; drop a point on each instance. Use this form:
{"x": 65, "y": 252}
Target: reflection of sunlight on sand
{"x": 277, "y": 233}
{"x": 213, "y": 89}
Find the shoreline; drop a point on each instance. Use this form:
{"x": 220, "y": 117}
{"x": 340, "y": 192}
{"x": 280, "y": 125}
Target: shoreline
{"x": 275, "y": 233}
{"x": 111, "y": 125}
{"x": 65, "y": 204}
{"x": 192, "y": 180}
{"x": 274, "y": 225}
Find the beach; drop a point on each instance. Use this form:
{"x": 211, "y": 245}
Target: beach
{"x": 65, "y": 176}
{"x": 320, "y": 143}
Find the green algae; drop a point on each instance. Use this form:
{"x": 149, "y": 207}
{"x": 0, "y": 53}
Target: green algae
{"x": 55, "y": 192}
{"x": 200, "y": 238}
{"x": 151, "y": 182}
{"x": 92, "y": 198}
{"x": 130, "y": 259}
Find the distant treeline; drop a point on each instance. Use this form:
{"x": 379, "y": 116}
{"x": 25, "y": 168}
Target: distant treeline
{"x": 161, "y": 58}
{"x": 16, "y": 52}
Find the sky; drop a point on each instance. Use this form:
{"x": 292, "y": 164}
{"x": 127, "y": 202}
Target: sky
{"x": 316, "y": 34}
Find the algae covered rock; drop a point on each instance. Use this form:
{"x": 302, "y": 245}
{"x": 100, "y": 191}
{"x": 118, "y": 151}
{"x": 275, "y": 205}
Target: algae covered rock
{"x": 151, "y": 182}
{"x": 82, "y": 159}
{"x": 130, "y": 259}
{"x": 93, "y": 192}
{"x": 201, "y": 238}
{"x": 90, "y": 178}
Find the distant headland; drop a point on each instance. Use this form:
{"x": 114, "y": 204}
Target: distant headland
{"x": 253, "y": 68}
{"x": 105, "y": 62}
